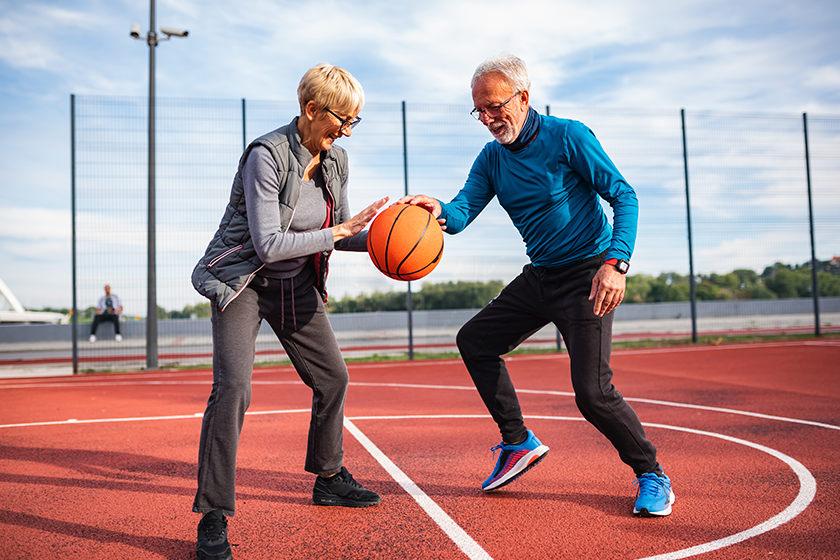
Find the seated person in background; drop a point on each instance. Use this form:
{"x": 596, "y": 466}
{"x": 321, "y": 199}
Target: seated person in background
{"x": 108, "y": 309}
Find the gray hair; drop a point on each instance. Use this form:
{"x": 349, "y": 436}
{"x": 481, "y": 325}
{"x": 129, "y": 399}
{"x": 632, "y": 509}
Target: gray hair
{"x": 511, "y": 67}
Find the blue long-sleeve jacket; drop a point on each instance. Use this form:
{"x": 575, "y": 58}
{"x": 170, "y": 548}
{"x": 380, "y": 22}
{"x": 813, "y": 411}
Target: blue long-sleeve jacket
{"x": 550, "y": 190}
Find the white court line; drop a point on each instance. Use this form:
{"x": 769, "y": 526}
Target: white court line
{"x": 699, "y": 407}
{"x": 142, "y": 418}
{"x": 682, "y": 349}
{"x": 413, "y": 386}
{"x": 133, "y": 383}
{"x": 735, "y": 411}
{"x": 807, "y": 483}
{"x": 634, "y": 399}
{"x": 468, "y": 388}
{"x": 460, "y": 537}
{"x": 805, "y": 496}
{"x": 807, "y": 491}
{"x": 822, "y": 342}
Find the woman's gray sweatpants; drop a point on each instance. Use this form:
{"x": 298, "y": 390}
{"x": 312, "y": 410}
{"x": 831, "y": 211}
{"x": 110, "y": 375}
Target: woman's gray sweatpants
{"x": 300, "y": 323}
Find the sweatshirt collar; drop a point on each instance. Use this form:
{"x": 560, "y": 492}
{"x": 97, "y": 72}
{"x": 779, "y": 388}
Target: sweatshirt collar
{"x": 529, "y": 131}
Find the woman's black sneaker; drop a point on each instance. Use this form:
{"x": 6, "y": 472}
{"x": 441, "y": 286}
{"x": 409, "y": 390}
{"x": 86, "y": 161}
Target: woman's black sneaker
{"x": 342, "y": 490}
{"x": 212, "y": 537}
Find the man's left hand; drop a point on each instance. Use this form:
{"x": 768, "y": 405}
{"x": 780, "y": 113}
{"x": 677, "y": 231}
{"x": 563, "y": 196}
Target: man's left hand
{"x": 607, "y": 289}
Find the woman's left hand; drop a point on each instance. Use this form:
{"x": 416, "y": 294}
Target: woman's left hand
{"x": 358, "y": 222}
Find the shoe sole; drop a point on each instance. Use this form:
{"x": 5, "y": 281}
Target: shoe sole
{"x": 534, "y": 459}
{"x": 336, "y": 501}
{"x": 644, "y": 512}
{"x": 226, "y": 555}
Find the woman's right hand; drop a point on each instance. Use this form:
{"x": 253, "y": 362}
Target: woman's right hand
{"x": 358, "y": 222}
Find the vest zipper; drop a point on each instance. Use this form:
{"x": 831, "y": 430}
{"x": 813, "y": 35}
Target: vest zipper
{"x": 223, "y": 255}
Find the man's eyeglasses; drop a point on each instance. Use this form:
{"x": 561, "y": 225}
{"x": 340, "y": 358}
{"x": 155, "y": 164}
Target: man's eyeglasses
{"x": 345, "y": 122}
{"x": 492, "y": 111}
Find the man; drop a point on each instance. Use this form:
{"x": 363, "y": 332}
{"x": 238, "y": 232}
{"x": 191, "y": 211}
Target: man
{"x": 548, "y": 174}
{"x": 108, "y": 309}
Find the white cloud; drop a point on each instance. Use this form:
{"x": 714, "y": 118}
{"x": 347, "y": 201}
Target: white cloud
{"x": 754, "y": 252}
{"x": 824, "y": 77}
{"x": 16, "y": 224}
{"x": 35, "y": 244}
{"x": 31, "y": 34}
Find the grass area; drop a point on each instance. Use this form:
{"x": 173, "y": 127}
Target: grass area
{"x": 717, "y": 340}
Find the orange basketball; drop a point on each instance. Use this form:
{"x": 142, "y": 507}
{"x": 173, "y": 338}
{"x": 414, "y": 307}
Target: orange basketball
{"x": 405, "y": 242}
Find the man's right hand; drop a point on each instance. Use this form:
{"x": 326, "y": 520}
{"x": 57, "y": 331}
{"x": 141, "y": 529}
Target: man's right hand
{"x": 431, "y": 205}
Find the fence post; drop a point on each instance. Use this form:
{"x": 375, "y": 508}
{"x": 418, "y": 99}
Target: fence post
{"x": 74, "y": 316}
{"x": 244, "y": 138}
{"x": 815, "y": 289}
{"x": 688, "y": 222}
{"x": 408, "y": 303}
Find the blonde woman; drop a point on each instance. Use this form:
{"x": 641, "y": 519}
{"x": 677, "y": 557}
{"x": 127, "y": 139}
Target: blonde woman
{"x": 287, "y": 211}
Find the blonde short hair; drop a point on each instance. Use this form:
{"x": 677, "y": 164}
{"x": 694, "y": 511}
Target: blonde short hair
{"x": 511, "y": 67}
{"x": 331, "y": 87}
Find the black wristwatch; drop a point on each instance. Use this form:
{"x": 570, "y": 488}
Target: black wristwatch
{"x": 620, "y": 265}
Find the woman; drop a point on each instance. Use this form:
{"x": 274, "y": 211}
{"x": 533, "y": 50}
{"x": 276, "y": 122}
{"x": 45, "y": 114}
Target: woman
{"x": 268, "y": 260}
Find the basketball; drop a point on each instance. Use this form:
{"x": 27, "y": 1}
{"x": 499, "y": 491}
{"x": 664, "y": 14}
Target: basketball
{"x": 405, "y": 242}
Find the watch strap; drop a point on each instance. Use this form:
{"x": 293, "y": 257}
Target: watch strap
{"x": 620, "y": 264}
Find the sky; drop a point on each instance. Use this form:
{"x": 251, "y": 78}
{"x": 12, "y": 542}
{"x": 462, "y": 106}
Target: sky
{"x": 750, "y": 56}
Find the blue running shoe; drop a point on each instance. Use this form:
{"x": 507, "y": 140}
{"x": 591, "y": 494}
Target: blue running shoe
{"x": 514, "y": 461}
{"x": 654, "y": 496}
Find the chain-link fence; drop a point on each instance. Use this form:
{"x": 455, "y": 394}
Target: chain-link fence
{"x": 747, "y": 194}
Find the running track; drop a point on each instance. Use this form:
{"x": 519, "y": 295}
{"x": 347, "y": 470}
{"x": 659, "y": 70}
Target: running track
{"x": 102, "y": 466}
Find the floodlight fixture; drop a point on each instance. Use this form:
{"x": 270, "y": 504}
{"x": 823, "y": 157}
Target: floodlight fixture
{"x": 174, "y": 32}
{"x": 153, "y": 38}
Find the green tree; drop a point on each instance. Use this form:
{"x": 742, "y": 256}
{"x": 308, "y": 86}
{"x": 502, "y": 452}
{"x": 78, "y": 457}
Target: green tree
{"x": 638, "y": 288}
{"x": 199, "y": 310}
{"x": 751, "y": 285}
{"x": 378, "y": 301}
{"x": 788, "y": 283}
{"x": 449, "y": 295}
{"x": 670, "y": 286}
{"x": 457, "y": 295}
{"x": 828, "y": 284}
{"x": 777, "y": 281}
{"x": 62, "y": 310}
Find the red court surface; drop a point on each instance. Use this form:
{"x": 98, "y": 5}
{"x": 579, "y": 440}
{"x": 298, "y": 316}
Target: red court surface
{"x": 103, "y": 466}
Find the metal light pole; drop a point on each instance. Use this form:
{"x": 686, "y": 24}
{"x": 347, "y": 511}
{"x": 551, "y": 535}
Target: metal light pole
{"x": 152, "y": 40}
